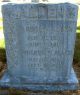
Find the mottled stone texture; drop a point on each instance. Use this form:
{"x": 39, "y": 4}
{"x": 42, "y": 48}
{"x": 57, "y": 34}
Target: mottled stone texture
{"x": 40, "y": 41}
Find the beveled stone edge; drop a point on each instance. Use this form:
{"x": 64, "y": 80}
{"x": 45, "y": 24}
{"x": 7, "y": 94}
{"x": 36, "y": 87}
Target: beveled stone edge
{"x": 72, "y": 84}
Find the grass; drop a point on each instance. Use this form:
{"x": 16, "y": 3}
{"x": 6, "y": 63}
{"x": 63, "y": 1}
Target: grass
{"x": 77, "y": 48}
{"x": 78, "y": 22}
{"x": 1, "y": 28}
{"x": 77, "y": 44}
{"x": 2, "y": 43}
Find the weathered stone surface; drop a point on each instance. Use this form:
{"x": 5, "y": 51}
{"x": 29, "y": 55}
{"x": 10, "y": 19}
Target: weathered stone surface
{"x": 40, "y": 41}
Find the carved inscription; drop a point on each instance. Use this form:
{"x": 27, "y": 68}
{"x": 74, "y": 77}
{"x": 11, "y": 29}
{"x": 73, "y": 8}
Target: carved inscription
{"x": 41, "y": 44}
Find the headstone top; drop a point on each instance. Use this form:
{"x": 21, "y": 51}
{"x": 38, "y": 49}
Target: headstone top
{"x": 38, "y": 11}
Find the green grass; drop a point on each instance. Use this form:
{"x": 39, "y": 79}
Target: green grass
{"x": 77, "y": 49}
{"x": 78, "y": 22}
{"x": 2, "y": 43}
{"x": 77, "y": 44}
{"x": 1, "y": 28}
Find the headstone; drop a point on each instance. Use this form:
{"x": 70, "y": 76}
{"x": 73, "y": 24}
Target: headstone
{"x": 40, "y": 41}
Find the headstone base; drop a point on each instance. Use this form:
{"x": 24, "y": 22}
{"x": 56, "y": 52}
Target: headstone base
{"x": 71, "y": 84}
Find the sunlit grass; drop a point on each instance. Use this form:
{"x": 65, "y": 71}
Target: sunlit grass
{"x": 78, "y": 21}
{"x": 1, "y": 19}
{"x": 1, "y": 28}
{"x": 2, "y": 43}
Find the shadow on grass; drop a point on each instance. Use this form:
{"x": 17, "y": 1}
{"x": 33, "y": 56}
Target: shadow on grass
{"x": 78, "y": 28}
{"x": 2, "y": 55}
{"x": 77, "y": 49}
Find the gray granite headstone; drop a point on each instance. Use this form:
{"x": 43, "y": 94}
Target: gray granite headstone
{"x": 40, "y": 41}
